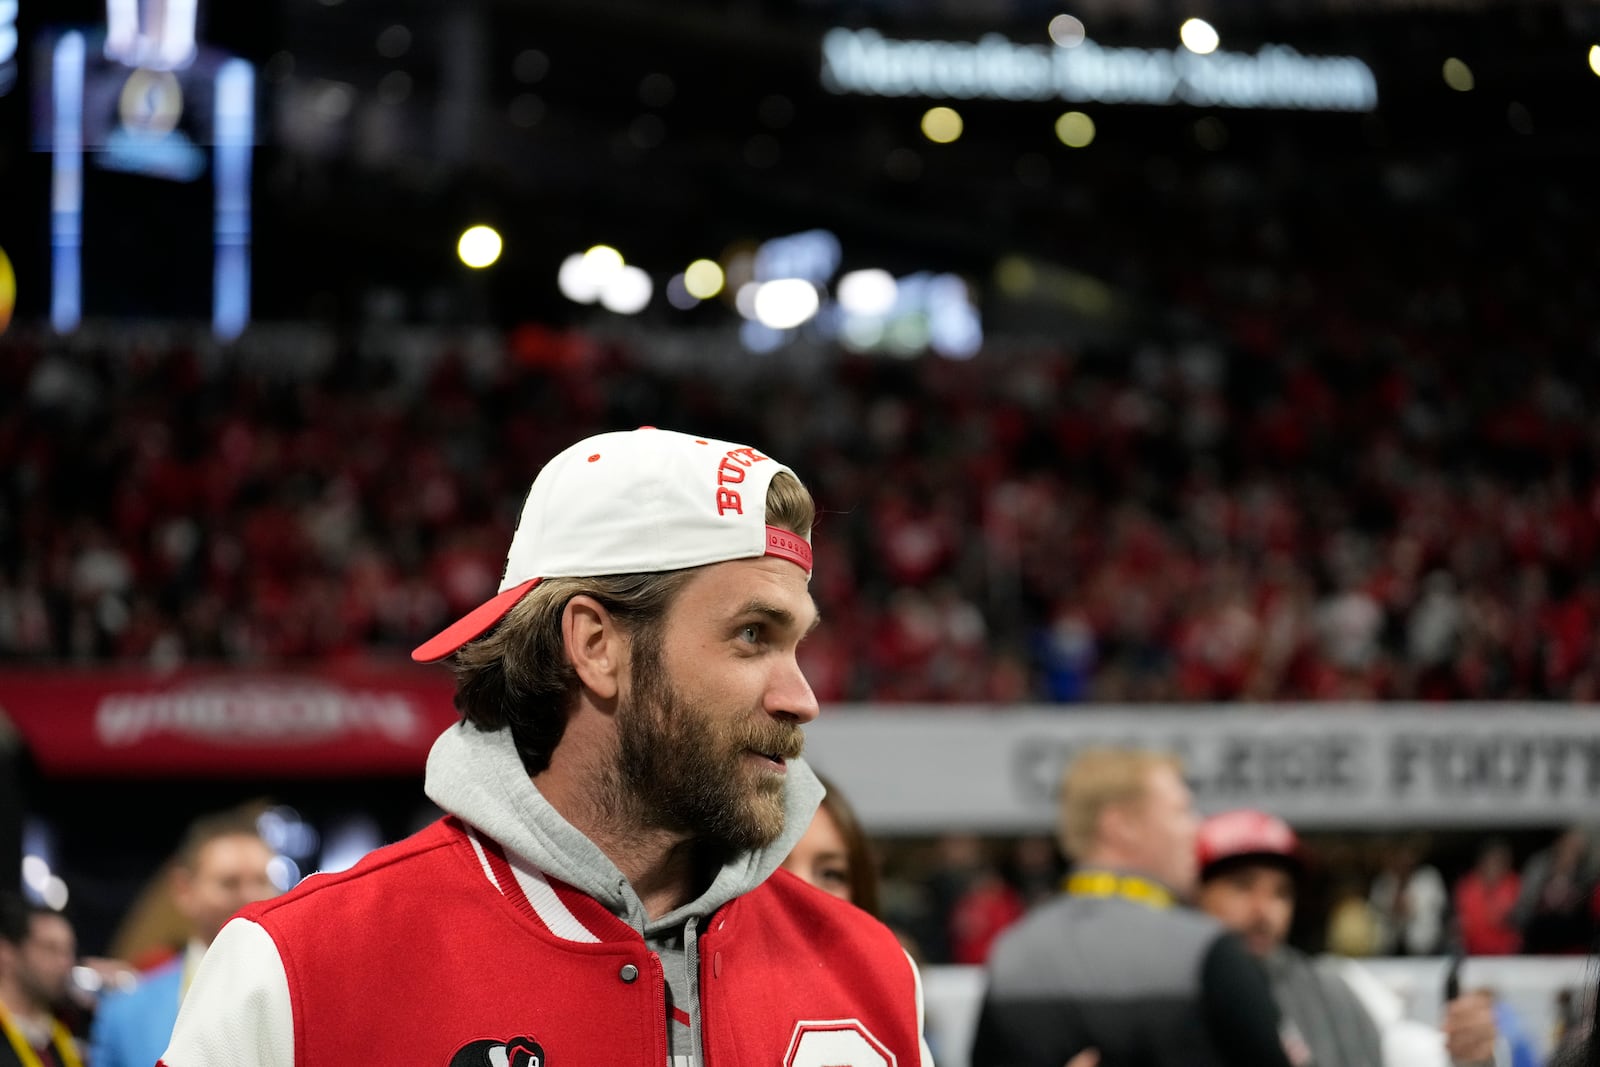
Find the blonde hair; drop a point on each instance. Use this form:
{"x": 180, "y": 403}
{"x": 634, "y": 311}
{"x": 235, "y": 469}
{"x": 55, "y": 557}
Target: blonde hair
{"x": 1103, "y": 778}
{"x": 518, "y": 675}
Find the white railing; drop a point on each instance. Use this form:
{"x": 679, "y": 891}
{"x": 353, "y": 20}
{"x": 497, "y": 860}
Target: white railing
{"x": 1531, "y": 985}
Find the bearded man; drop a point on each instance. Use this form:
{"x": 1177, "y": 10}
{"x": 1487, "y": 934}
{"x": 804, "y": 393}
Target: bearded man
{"x": 624, "y": 785}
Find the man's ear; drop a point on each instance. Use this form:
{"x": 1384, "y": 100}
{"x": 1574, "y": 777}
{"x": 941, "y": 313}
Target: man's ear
{"x": 596, "y": 647}
{"x": 180, "y": 887}
{"x": 1117, "y": 825}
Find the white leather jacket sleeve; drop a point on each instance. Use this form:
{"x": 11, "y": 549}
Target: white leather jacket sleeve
{"x": 236, "y": 1013}
{"x": 922, "y": 1027}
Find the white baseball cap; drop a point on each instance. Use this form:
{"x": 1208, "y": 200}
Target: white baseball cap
{"x": 633, "y": 502}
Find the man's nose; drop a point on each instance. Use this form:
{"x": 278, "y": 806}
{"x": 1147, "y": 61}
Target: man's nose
{"x": 789, "y": 695}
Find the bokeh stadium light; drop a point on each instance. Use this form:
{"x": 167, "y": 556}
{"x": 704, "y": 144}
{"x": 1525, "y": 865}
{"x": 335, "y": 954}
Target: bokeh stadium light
{"x": 479, "y": 246}
{"x": 1199, "y": 37}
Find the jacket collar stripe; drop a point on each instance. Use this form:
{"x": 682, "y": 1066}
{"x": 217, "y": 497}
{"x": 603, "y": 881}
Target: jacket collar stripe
{"x": 504, "y": 877}
{"x": 483, "y": 859}
{"x": 555, "y": 915}
{"x": 591, "y": 914}
{"x": 529, "y": 891}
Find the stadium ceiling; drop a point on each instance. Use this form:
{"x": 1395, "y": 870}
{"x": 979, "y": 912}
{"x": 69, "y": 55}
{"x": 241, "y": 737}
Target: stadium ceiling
{"x": 653, "y": 106}
{"x": 678, "y": 130}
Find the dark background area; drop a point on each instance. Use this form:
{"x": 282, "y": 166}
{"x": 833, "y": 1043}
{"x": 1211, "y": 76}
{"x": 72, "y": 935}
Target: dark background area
{"x": 676, "y": 133}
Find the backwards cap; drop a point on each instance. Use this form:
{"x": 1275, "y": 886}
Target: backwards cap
{"x": 633, "y": 502}
{"x": 1243, "y": 835}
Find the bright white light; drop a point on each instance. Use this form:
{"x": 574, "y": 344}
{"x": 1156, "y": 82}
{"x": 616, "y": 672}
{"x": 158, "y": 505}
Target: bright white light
{"x": 285, "y": 831}
{"x": 54, "y": 893}
{"x": 583, "y": 277}
{"x": 605, "y": 261}
{"x": 954, "y": 330}
{"x": 283, "y": 872}
{"x": 1594, "y": 59}
{"x": 744, "y": 301}
{"x": 35, "y": 873}
{"x": 348, "y": 841}
{"x": 270, "y": 825}
{"x": 1198, "y": 37}
{"x": 479, "y": 247}
{"x": 785, "y": 303}
{"x": 867, "y": 292}
{"x": 628, "y": 292}
{"x": 234, "y": 132}
{"x": 66, "y": 183}
{"x": 811, "y": 254}
{"x": 703, "y": 279}
{"x": 576, "y": 282}
{"x": 1066, "y": 31}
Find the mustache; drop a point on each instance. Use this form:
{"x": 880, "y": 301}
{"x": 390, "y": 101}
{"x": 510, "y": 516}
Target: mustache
{"x": 775, "y": 740}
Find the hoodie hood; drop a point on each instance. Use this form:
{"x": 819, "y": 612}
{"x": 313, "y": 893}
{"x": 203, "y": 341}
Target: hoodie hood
{"x": 477, "y": 776}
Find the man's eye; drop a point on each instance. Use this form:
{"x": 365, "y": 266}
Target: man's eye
{"x": 750, "y": 632}
{"x": 836, "y": 875}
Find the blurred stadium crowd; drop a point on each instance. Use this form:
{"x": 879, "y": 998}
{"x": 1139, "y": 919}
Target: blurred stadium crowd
{"x": 1318, "y": 468}
{"x": 1371, "y": 896}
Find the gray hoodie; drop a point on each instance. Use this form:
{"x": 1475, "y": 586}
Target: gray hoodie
{"x": 1325, "y": 1023}
{"x": 478, "y": 777}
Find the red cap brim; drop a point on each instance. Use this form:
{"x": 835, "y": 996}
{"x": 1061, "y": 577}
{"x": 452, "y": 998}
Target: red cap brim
{"x": 472, "y": 625}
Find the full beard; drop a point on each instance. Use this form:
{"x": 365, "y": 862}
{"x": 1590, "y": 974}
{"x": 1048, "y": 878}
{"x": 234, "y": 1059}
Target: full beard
{"x": 681, "y": 770}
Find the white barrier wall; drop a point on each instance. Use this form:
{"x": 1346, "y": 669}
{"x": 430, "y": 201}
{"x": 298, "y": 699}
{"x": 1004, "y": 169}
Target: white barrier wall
{"x": 1530, "y": 985}
{"x": 913, "y": 771}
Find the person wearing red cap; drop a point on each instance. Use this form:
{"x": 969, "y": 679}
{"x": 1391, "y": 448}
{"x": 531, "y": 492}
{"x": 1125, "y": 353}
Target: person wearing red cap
{"x": 621, "y": 792}
{"x": 1335, "y": 1013}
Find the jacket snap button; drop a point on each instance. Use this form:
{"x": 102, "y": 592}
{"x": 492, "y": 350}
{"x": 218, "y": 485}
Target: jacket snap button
{"x": 716, "y": 965}
{"x": 629, "y": 972}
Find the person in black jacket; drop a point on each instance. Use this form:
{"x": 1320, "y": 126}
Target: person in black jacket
{"x": 1335, "y": 1014}
{"x": 1117, "y": 964}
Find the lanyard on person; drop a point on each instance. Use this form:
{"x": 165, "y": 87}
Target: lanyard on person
{"x": 59, "y": 1037}
{"x": 1126, "y": 886}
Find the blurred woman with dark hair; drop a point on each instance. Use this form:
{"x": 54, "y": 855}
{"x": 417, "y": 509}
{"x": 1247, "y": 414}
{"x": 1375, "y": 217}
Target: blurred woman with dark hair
{"x": 1580, "y": 1046}
{"x": 834, "y": 854}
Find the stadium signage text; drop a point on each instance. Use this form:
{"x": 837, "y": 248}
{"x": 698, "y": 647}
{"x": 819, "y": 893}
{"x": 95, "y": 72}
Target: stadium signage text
{"x": 334, "y": 720}
{"x": 994, "y": 67}
{"x": 249, "y": 712}
{"x": 1406, "y": 767}
{"x": 1395, "y": 767}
